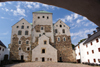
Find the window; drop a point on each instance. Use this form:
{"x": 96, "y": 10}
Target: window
{"x": 79, "y": 53}
{"x": 0, "y": 48}
{"x": 94, "y": 60}
{"x": 58, "y": 39}
{"x": 99, "y": 49}
{"x": 60, "y": 25}
{"x": 19, "y": 32}
{"x": 27, "y": 26}
{"x": 26, "y": 32}
{"x": 22, "y": 23}
{"x": 28, "y": 48}
{"x": 97, "y": 40}
{"x": 86, "y": 45}
{"x": 78, "y": 46}
{"x": 64, "y": 25}
{"x": 41, "y": 28}
{"x": 55, "y": 30}
{"x": 38, "y": 17}
{"x": 91, "y": 43}
{"x": 99, "y": 60}
{"x": 43, "y": 50}
{"x": 93, "y": 51}
{"x": 22, "y": 27}
{"x": 27, "y": 42}
{"x": 87, "y": 53}
{"x": 17, "y": 26}
{"x": 42, "y": 16}
{"x": 43, "y": 33}
{"x": 3, "y": 49}
{"x": 39, "y": 35}
{"x": 47, "y": 17}
{"x": 36, "y": 59}
{"x": 19, "y": 48}
{"x": 56, "y": 25}
{"x": 63, "y": 30}
{"x": 64, "y": 39}
{"x": 50, "y": 59}
{"x": 47, "y": 59}
{"x": 45, "y": 42}
{"x": 88, "y": 60}
{"x": 19, "y": 42}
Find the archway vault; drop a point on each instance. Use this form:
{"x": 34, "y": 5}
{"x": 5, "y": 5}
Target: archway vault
{"x": 87, "y": 8}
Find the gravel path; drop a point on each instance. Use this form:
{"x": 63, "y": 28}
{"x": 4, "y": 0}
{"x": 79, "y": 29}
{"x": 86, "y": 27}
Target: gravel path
{"x": 47, "y": 64}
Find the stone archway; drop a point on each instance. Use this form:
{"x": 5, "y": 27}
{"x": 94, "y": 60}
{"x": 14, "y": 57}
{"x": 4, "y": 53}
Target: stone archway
{"x": 87, "y": 8}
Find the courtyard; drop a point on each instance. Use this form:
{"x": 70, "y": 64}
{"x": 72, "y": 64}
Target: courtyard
{"x": 48, "y": 64}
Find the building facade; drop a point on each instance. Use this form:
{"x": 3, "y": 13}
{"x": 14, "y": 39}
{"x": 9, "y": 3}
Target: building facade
{"x": 41, "y": 40}
{"x": 4, "y": 52}
{"x": 89, "y": 50}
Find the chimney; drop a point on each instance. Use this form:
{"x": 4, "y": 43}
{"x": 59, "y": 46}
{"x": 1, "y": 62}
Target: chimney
{"x": 98, "y": 29}
{"x": 94, "y": 32}
{"x": 89, "y": 35}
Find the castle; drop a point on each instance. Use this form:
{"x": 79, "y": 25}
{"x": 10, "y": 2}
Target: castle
{"x": 41, "y": 40}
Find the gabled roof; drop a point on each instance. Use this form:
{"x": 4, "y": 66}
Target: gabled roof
{"x": 97, "y": 34}
{"x": 2, "y": 44}
{"x": 61, "y": 21}
{"x": 21, "y": 20}
{"x": 42, "y": 11}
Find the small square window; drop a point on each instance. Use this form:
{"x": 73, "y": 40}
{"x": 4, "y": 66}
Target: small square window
{"x": 47, "y": 17}
{"x": 43, "y": 50}
{"x": 94, "y": 60}
{"x": 27, "y": 42}
{"x": 19, "y": 48}
{"x": 87, "y": 53}
{"x": 92, "y": 51}
{"x": 43, "y": 17}
{"x": 38, "y": 17}
{"x": 28, "y": 48}
{"x": 99, "y": 49}
{"x": 45, "y": 42}
{"x": 97, "y": 40}
{"x": 27, "y": 26}
{"x": 17, "y": 26}
{"x": 60, "y": 25}
{"x": 91, "y": 43}
{"x": 50, "y": 59}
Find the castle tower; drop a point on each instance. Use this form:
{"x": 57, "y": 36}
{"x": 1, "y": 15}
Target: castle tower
{"x": 63, "y": 42}
{"x": 42, "y": 25}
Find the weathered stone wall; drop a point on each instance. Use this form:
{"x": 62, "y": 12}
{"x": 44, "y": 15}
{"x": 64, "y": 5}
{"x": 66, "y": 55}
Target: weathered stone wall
{"x": 14, "y": 55}
{"x": 64, "y": 49}
{"x": 47, "y": 28}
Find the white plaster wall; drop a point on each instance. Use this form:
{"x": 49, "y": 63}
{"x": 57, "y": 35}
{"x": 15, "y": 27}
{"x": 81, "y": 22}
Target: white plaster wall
{"x": 77, "y": 51}
{"x": 59, "y": 29}
{"x": 50, "y": 52}
{"x": 42, "y": 21}
{"x": 15, "y": 31}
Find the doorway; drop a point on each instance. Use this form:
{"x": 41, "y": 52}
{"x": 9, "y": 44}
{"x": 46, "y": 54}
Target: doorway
{"x": 43, "y": 59}
{"x": 22, "y": 57}
{"x": 6, "y": 57}
{"x": 60, "y": 59}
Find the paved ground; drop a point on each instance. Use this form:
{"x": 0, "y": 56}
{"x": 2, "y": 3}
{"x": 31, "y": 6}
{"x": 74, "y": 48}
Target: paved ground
{"x": 47, "y": 64}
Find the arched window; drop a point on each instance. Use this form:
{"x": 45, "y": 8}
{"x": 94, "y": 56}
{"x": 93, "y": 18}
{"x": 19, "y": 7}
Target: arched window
{"x": 43, "y": 50}
{"x": 59, "y": 39}
{"x": 64, "y": 39}
{"x": 26, "y": 32}
{"x": 22, "y": 27}
{"x": 19, "y": 32}
{"x": 27, "y": 42}
{"x": 28, "y": 48}
{"x": 63, "y": 30}
{"x": 45, "y": 42}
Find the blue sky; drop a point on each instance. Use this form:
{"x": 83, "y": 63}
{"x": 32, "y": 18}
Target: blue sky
{"x": 12, "y": 12}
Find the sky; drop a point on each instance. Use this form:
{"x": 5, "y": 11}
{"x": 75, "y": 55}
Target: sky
{"x": 12, "y": 12}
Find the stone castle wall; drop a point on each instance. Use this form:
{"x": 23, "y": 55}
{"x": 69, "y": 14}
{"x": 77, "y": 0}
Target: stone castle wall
{"x": 65, "y": 52}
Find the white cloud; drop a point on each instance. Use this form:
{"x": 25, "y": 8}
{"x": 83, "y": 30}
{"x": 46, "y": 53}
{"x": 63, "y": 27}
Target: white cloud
{"x": 75, "y": 15}
{"x": 2, "y": 17}
{"x": 0, "y": 4}
{"x": 84, "y": 18}
{"x": 20, "y": 18}
{"x": 83, "y": 33}
{"x": 9, "y": 2}
{"x": 79, "y": 20}
{"x": 36, "y": 5}
{"x": 29, "y": 6}
{"x": 6, "y": 9}
{"x": 74, "y": 38}
{"x": 4, "y": 33}
{"x": 19, "y": 11}
{"x": 11, "y": 10}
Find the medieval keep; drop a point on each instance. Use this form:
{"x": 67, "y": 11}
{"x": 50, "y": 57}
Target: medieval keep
{"x": 41, "y": 40}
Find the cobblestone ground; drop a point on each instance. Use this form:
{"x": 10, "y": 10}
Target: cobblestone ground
{"x": 48, "y": 64}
